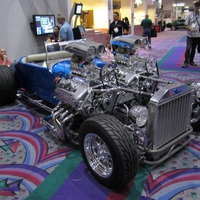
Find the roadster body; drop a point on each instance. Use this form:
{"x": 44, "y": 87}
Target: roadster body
{"x": 35, "y": 73}
{"x": 120, "y": 114}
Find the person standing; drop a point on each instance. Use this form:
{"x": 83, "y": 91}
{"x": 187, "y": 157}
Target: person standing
{"x": 192, "y": 24}
{"x": 55, "y": 36}
{"x": 125, "y": 19}
{"x": 147, "y": 25}
{"x": 66, "y": 32}
{"x": 4, "y": 58}
{"x": 116, "y": 28}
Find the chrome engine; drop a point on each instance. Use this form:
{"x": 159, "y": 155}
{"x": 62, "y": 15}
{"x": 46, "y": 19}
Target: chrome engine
{"x": 156, "y": 112}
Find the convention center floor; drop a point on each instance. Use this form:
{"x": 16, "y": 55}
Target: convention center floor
{"x": 36, "y": 165}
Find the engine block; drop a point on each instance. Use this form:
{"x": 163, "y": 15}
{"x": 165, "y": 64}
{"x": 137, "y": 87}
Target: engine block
{"x": 72, "y": 91}
{"x": 129, "y": 88}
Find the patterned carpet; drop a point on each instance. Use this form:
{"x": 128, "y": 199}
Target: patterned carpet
{"x": 177, "y": 178}
{"x": 28, "y": 153}
{"x": 35, "y": 165}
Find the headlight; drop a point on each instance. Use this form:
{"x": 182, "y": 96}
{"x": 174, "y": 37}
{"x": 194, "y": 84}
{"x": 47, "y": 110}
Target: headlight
{"x": 140, "y": 114}
{"x": 196, "y": 87}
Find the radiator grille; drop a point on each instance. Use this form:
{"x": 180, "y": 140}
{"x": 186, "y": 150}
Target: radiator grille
{"x": 168, "y": 117}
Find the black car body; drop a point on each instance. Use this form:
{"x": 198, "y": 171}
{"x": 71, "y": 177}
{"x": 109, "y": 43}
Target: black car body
{"x": 180, "y": 23}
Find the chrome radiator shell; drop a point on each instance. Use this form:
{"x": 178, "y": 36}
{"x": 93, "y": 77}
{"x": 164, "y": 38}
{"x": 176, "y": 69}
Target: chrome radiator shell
{"x": 169, "y": 114}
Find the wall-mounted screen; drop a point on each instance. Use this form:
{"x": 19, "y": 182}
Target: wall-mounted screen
{"x": 78, "y": 8}
{"x": 43, "y": 24}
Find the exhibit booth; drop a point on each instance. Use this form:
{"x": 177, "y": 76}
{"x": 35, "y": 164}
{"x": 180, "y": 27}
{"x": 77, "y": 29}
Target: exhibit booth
{"x": 96, "y": 16}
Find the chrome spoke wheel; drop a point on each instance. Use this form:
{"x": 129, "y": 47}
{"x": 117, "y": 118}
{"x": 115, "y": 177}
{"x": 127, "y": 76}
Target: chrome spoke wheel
{"x": 98, "y": 155}
{"x": 108, "y": 151}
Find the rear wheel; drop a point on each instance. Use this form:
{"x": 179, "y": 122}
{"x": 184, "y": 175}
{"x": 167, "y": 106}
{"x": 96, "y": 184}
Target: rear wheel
{"x": 8, "y": 87}
{"x": 108, "y": 151}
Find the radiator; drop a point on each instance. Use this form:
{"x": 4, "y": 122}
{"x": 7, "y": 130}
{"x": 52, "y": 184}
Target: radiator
{"x": 169, "y": 114}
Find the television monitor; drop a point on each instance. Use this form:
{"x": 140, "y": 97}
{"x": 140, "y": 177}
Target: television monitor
{"x": 78, "y": 9}
{"x": 43, "y": 24}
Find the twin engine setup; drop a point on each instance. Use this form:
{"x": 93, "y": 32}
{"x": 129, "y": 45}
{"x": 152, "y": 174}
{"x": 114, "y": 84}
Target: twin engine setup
{"x": 119, "y": 113}
{"x": 155, "y": 112}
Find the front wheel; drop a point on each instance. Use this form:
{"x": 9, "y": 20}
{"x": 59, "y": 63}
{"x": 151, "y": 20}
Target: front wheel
{"x": 108, "y": 151}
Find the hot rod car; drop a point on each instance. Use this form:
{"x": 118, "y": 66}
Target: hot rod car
{"x": 120, "y": 113}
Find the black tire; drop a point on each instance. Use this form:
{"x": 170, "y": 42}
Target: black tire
{"x": 122, "y": 150}
{"x": 8, "y": 88}
{"x": 196, "y": 126}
